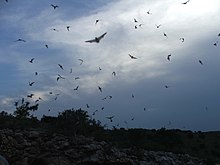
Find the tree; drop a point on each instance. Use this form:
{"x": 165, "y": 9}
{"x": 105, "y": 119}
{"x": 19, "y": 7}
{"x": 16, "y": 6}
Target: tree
{"x": 77, "y": 122}
{"x": 23, "y": 111}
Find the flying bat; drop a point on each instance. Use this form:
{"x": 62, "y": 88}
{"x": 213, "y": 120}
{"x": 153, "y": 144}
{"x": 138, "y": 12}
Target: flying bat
{"x": 182, "y": 39}
{"x": 68, "y": 28}
{"x": 31, "y": 83}
{"x": 158, "y": 26}
{"x": 30, "y": 95}
{"x": 184, "y": 3}
{"x": 21, "y": 40}
{"x": 60, "y": 66}
{"x": 97, "y": 39}
{"x": 200, "y": 62}
{"x": 75, "y": 89}
{"x": 81, "y": 61}
{"x": 56, "y": 96}
{"x": 96, "y": 21}
{"x": 60, "y": 77}
{"x": 54, "y": 30}
{"x": 54, "y": 6}
{"x": 168, "y": 57}
{"x": 31, "y": 61}
{"x": 110, "y": 118}
{"x": 94, "y": 112}
{"x": 140, "y": 25}
{"x": 215, "y": 44}
{"x": 132, "y": 57}
{"x": 149, "y": 12}
{"x": 165, "y": 35}
{"x": 100, "y": 89}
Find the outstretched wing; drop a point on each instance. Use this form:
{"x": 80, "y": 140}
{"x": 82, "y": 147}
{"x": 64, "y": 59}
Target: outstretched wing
{"x": 90, "y": 41}
{"x": 110, "y": 117}
{"x": 100, "y": 37}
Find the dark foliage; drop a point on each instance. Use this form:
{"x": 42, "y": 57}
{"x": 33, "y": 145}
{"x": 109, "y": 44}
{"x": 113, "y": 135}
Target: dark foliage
{"x": 73, "y": 122}
{"x": 23, "y": 111}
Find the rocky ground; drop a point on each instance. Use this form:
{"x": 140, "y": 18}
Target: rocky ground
{"x": 20, "y": 147}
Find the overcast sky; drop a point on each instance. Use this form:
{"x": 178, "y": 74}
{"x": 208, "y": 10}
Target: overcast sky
{"x": 148, "y": 92}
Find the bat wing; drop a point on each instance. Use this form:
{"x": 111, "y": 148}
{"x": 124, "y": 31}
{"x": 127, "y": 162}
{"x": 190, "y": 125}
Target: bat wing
{"x": 90, "y": 41}
{"x": 100, "y": 37}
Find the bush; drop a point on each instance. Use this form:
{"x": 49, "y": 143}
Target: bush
{"x": 23, "y": 111}
{"x": 71, "y": 122}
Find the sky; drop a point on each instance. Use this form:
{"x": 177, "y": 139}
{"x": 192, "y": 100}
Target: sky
{"x": 148, "y": 91}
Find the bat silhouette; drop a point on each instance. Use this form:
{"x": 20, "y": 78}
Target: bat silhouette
{"x": 31, "y": 61}
{"x": 184, "y": 3}
{"x": 200, "y": 62}
{"x": 60, "y": 66}
{"x": 149, "y": 12}
{"x": 132, "y": 57}
{"x": 110, "y": 118}
{"x": 31, "y": 95}
{"x": 97, "y": 39}
{"x": 60, "y": 77}
{"x": 96, "y": 21}
{"x": 68, "y": 28}
{"x": 165, "y": 35}
{"x": 21, "y": 40}
{"x": 114, "y": 73}
{"x": 31, "y": 83}
{"x": 168, "y": 57}
{"x": 182, "y": 39}
{"x": 81, "y": 61}
{"x": 75, "y": 89}
{"x": 54, "y": 6}
{"x": 100, "y": 89}
{"x": 158, "y": 26}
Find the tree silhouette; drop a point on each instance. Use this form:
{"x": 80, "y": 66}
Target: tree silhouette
{"x": 23, "y": 110}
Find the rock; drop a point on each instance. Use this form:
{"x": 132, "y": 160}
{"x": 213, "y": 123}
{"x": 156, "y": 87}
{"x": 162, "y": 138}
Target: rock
{"x": 34, "y": 134}
{"x": 20, "y": 147}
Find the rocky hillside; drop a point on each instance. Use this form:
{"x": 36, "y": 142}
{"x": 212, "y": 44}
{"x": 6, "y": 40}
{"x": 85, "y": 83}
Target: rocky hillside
{"x": 21, "y": 147}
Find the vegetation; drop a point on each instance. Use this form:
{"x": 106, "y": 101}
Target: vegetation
{"x": 72, "y": 122}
